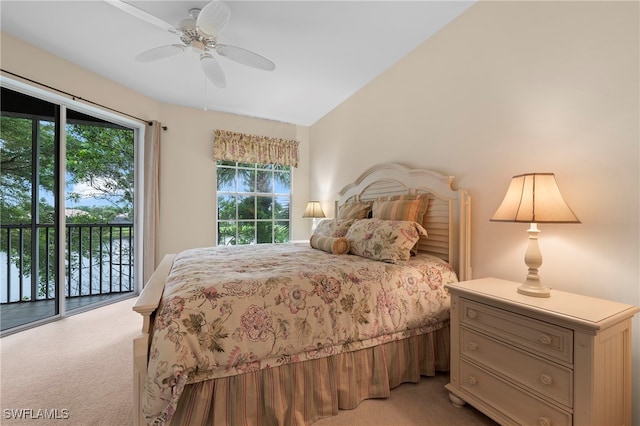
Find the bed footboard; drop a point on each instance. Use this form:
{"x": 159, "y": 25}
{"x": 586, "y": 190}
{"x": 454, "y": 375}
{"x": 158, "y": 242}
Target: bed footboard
{"x": 146, "y": 306}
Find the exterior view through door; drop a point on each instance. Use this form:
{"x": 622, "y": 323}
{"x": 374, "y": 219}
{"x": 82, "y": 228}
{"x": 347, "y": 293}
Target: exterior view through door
{"x": 66, "y": 211}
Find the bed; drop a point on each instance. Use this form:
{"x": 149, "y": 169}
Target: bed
{"x": 291, "y": 333}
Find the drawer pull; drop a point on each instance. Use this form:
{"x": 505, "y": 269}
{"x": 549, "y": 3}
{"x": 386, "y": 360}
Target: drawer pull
{"x": 545, "y": 339}
{"x": 473, "y": 346}
{"x": 472, "y": 380}
{"x": 472, "y": 314}
{"x": 546, "y": 379}
{"x": 544, "y": 421}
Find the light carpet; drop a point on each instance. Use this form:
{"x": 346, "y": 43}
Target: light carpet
{"x": 78, "y": 371}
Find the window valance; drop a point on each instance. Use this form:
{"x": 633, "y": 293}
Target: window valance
{"x": 244, "y": 148}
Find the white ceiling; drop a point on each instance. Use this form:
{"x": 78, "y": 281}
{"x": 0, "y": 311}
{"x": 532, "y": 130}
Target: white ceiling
{"x": 324, "y": 50}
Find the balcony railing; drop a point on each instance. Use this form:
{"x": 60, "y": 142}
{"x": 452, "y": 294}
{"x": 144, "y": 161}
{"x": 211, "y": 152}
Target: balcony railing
{"x": 98, "y": 261}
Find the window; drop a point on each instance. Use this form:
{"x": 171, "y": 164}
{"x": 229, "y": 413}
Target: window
{"x": 253, "y": 203}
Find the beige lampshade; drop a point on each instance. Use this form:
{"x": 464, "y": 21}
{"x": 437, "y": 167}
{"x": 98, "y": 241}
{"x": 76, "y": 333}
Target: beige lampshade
{"x": 313, "y": 210}
{"x": 534, "y": 198}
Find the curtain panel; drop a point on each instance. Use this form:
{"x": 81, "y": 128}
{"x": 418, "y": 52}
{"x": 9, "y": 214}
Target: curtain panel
{"x": 151, "y": 191}
{"x": 245, "y": 148}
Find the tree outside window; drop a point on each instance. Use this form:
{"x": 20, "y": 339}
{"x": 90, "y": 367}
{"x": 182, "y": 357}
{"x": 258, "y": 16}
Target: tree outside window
{"x": 253, "y": 203}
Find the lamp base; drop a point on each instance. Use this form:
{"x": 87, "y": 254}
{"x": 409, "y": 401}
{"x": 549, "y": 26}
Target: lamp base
{"x": 533, "y": 259}
{"x": 534, "y": 290}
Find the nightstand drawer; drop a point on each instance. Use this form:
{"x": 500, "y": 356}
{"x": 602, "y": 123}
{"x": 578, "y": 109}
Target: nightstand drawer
{"x": 527, "y": 333}
{"x": 549, "y": 379}
{"x": 522, "y": 407}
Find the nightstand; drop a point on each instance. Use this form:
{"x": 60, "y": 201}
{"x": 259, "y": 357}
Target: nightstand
{"x": 562, "y": 360}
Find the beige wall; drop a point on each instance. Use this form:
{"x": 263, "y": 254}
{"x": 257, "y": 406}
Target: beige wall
{"x": 28, "y": 61}
{"x": 188, "y": 174}
{"x": 187, "y": 169}
{"x": 510, "y": 88}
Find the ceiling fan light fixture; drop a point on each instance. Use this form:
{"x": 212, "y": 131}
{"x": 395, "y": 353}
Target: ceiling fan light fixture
{"x": 199, "y": 47}
{"x": 213, "y": 18}
{"x": 188, "y": 24}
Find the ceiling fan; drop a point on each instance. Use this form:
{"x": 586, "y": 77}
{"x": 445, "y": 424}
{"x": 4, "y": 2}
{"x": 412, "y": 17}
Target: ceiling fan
{"x": 199, "y": 33}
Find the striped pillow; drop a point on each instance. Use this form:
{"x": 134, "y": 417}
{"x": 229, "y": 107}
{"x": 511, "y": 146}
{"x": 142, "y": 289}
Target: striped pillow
{"x": 402, "y": 207}
{"x": 355, "y": 210}
{"x": 329, "y": 244}
{"x": 410, "y": 210}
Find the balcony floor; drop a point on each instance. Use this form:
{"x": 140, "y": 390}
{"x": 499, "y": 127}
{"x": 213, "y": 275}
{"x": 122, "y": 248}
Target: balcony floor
{"x": 17, "y": 314}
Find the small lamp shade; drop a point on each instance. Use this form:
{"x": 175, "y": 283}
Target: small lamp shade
{"x": 313, "y": 210}
{"x": 534, "y": 198}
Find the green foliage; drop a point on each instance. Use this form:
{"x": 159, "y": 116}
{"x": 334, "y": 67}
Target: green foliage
{"x": 97, "y": 156}
{"x": 100, "y": 157}
{"x": 16, "y": 165}
{"x": 253, "y": 203}
{"x": 103, "y": 158}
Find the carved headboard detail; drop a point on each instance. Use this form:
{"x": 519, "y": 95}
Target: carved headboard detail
{"x": 448, "y": 218}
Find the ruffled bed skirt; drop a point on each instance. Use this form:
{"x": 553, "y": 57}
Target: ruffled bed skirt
{"x": 304, "y": 392}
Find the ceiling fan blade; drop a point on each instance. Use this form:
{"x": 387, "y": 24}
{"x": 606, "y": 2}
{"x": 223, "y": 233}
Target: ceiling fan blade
{"x": 213, "y": 18}
{"x": 213, "y": 71}
{"x": 160, "y": 52}
{"x": 145, "y": 16}
{"x": 245, "y": 57}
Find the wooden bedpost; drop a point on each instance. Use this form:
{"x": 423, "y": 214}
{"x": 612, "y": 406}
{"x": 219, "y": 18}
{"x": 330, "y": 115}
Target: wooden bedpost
{"x": 146, "y": 306}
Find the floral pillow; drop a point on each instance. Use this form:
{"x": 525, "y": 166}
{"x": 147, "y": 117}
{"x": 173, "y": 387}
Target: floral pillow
{"x": 355, "y": 210}
{"x": 403, "y": 207}
{"x": 333, "y": 227}
{"x": 330, "y": 244}
{"x": 385, "y": 240}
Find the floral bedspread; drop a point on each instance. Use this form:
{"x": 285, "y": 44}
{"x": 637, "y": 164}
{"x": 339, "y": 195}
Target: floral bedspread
{"x": 231, "y": 309}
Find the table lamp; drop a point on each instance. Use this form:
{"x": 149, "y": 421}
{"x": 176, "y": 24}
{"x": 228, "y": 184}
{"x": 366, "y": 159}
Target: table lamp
{"x": 534, "y": 198}
{"x": 313, "y": 210}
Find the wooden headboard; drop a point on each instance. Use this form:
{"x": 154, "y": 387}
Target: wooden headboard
{"x": 448, "y": 218}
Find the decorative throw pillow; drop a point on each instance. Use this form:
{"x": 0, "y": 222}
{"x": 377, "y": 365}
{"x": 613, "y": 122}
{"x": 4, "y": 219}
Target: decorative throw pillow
{"x": 385, "y": 240}
{"x": 330, "y": 244}
{"x": 355, "y": 210}
{"x": 411, "y": 209}
{"x": 402, "y": 207}
{"x": 333, "y": 227}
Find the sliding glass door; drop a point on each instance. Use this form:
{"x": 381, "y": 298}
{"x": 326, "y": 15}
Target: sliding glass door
{"x": 66, "y": 211}
{"x": 99, "y": 197}
{"x": 28, "y": 209}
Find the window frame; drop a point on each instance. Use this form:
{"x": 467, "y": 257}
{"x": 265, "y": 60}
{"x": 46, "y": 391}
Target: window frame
{"x": 235, "y": 190}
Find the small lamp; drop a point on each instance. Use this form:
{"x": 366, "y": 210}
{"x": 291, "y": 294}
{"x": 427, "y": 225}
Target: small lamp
{"x": 313, "y": 210}
{"x": 534, "y": 198}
